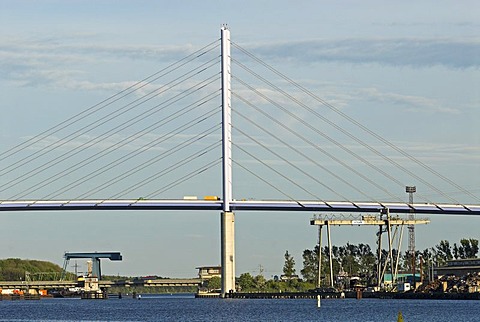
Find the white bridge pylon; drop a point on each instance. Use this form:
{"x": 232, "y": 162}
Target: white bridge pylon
{"x": 227, "y": 217}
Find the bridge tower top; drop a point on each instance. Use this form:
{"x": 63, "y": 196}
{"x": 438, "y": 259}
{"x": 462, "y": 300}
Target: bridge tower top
{"x": 226, "y": 119}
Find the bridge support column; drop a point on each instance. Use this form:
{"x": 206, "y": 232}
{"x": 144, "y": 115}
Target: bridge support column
{"x": 227, "y": 226}
{"x": 96, "y": 269}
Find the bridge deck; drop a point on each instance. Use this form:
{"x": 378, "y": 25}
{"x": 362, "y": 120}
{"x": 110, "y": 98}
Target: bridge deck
{"x": 165, "y": 282}
{"x": 243, "y": 205}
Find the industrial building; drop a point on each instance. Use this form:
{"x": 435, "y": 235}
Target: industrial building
{"x": 459, "y": 267}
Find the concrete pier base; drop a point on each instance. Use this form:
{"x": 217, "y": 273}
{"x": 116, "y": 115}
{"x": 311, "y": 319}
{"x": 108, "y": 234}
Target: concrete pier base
{"x": 227, "y": 227}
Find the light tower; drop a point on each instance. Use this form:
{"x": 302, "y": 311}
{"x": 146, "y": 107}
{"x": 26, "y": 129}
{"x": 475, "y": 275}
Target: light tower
{"x": 411, "y": 230}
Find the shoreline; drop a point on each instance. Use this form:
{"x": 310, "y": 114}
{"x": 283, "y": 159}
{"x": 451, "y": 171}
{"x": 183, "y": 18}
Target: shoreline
{"x": 340, "y": 295}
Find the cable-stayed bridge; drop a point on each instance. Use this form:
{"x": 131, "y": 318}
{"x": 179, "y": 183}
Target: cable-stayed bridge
{"x": 172, "y": 134}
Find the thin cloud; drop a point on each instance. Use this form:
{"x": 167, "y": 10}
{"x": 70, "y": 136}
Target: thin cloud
{"x": 411, "y": 101}
{"x": 413, "y": 52}
{"x": 86, "y": 52}
{"x": 48, "y": 63}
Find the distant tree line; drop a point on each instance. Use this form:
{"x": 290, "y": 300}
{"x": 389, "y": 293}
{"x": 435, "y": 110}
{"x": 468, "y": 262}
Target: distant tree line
{"x": 14, "y": 269}
{"x": 361, "y": 261}
{"x": 353, "y": 260}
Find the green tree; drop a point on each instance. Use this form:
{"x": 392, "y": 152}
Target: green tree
{"x": 260, "y": 282}
{"x": 246, "y": 282}
{"x": 456, "y": 251}
{"x": 443, "y": 252}
{"x": 468, "y": 248}
{"x": 351, "y": 265}
{"x": 310, "y": 265}
{"x": 215, "y": 283}
{"x": 336, "y": 253}
{"x": 13, "y": 269}
{"x": 289, "y": 266}
{"x": 367, "y": 263}
{"x": 427, "y": 258}
{"x": 475, "y": 248}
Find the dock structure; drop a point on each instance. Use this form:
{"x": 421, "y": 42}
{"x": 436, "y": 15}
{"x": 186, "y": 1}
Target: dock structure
{"x": 163, "y": 282}
{"x": 385, "y": 223}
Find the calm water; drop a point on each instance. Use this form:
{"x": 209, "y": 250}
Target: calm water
{"x": 187, "y": 308}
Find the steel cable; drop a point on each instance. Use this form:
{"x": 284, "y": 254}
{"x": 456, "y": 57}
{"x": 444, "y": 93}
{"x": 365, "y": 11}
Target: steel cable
{"x": 177, "y": 81}
{"x": 306, "y": 157}
{"x": 186, "y": 177}
{"x": 95, "y": 108}
{"x": 118, "y": 145}
{"x": 107, "y": 134}
{"x": 154, "y": 160}
{"x": 336, "y": 159}
{"x": 167, "y": 170}
{"x": 358, "y": 124}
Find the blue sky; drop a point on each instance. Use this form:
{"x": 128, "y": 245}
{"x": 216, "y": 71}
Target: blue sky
{"x": 407, "y": 70}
